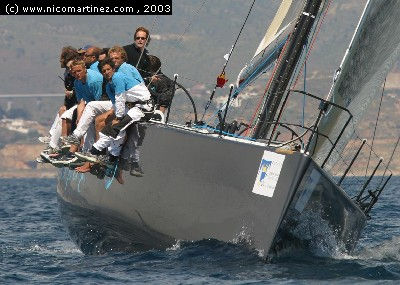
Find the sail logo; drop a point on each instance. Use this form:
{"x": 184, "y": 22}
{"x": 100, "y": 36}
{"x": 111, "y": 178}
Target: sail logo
{"x": 268, "y": 173}
{"x": 265, "y": 164}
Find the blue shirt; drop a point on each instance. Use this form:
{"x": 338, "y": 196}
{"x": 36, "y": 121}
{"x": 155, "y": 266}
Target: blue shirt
{"x": 95, "y": 66}
{"x": 91, "y": 90}
{"x": 130, "y": 71}
{"x": 119, "y": 83}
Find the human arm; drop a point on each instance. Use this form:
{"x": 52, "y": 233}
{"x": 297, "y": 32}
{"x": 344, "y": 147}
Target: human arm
{"x": 120, "y": 96}
{"x": 79, "y": 110}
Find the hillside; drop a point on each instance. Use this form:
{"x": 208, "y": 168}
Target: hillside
{"x": 188, "y": 43}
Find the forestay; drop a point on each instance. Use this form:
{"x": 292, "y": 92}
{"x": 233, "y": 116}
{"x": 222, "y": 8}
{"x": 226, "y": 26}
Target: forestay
{"x": 272, "y": 43}
{"x": 374, "y": 49}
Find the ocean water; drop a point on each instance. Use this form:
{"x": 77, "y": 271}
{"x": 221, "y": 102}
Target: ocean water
{"x": 35, "y": 249}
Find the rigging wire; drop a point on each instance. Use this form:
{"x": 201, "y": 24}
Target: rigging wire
{"x": 226, "y": 62}
{"x": 180, "y": 39}
{"x": 376, "y": 124}
{"x": 390, "y": 159}
{"x": 304, "y": 89}
{"x": 141, "y": 54}
{"x": 315, "y": 34}
{"x": 253, "y": 119}
{"x": 263, "y": 97}
{"x": 314, "y": 37}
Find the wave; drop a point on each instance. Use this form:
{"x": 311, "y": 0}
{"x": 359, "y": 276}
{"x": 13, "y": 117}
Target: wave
{"x": 387, "y": 251}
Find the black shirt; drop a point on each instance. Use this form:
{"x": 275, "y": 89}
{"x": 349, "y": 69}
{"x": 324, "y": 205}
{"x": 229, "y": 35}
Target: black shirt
{"x": 133, "y": 57}
{"x": 69, "y": 85}
{"x": 162, "y": 90}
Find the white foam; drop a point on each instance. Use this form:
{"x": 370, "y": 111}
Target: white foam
{"x": 388, "y": 249}
{"x": 176, "y": 246}
{"x": 243, "y": 237}
{"x": 56, "y": 248}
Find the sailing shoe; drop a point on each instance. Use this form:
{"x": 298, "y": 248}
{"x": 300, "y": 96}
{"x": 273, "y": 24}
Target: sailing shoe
{"x": 49, "y": 153}
{"x": 86, "y": 156}
{"x": 102, "y": 159}
{"x": 66, "y": 142}
{"x": 136, "y": 170}
{"x": 63, "y": 160}
{"x": 45, "y": 140}
{"x": 72, "y": 139}
{"x": 40, "y": 159}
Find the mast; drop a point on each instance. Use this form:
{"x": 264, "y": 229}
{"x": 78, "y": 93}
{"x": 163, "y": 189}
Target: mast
{"x": 286, "y": 67}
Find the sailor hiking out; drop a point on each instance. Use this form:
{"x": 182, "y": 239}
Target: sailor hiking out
{"x": 101, "y": 110}
{"x": 88, "y": 88}
{"x": 132, "y": 104}
{"x": 111, "y": 100}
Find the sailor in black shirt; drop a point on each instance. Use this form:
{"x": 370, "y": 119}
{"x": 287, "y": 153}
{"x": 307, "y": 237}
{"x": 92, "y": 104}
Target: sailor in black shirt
{"x": 137, "y": 52}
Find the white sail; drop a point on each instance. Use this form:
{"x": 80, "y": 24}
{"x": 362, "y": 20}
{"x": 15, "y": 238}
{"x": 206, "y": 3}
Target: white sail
{"x": 272, "y": 43}
{"x": 275, "y": 26}
{"x": 374, "y": 49}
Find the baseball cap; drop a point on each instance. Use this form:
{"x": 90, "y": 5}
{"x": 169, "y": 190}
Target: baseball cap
{"x": 84, "y": 48}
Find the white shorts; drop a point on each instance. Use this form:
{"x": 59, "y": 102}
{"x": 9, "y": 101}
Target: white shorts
{"x": 69, "y": 113}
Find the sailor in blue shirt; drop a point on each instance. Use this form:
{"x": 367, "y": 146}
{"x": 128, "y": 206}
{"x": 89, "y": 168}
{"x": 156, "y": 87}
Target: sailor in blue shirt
{"x": 119, "y": 83}
{"x": 88, "y": 88}
{"x": 91, "y": 58}
{"x": 127, "y": 92}
{"x": 119, "y": 56}
{"x": 94, "y": 66}
{"x": 88, "y": 83}
{"x": 130, "y": 71}
{"x": 89, "y": 92}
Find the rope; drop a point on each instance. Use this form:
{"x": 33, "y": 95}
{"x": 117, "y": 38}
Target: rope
{"x": 253, "y": 120}
{"x": 314, "y": 37}
{"x": 81, "y": 178}
{"x": 223, "y": 132}
{"x": 108, "y": 183}
{"x": 226, "y": 63}
{"x": 376, "y": 124}
{"x": 239, "y": 88}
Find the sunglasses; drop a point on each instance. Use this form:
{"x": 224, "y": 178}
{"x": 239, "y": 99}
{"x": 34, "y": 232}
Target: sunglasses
{"x": 140, "y": 38}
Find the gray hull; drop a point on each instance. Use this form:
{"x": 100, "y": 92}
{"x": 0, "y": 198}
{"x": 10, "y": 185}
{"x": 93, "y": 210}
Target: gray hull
{"x": 199, "y": 186}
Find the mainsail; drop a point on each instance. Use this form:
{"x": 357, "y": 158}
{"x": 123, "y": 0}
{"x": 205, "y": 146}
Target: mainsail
{"x": 374, "y": 49}
{"x": 271, "y": 45}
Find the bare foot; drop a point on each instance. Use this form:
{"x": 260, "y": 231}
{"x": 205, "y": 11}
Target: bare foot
{"x": 84, "y": 168}
{"x": 119, "y": 177}
{"x": 73, "y": 148}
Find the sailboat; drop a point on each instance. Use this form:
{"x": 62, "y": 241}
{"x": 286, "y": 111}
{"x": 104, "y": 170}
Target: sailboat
{"x": 209, "y": 182}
